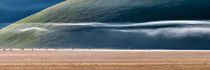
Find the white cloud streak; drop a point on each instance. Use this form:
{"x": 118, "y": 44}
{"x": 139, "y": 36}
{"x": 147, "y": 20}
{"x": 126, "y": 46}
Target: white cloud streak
{"x": 185, "y": 28}
{"x": 33, "y": 29}
{"x": 171, "y": 32}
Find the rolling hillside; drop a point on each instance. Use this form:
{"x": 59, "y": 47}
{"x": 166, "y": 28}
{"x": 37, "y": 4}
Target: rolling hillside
{"x": 115, "y": 24}
{"x": 122, "y": 11}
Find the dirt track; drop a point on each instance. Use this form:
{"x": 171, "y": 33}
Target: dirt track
{"x": 104, "y": 60}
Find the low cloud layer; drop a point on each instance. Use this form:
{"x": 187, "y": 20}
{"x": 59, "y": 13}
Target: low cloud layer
{"x": 169, "y": 29}
{"x": 171, "y": 32}
{"x": 180, "y": 34}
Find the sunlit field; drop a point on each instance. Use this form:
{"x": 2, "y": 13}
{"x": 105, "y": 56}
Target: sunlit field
{"x": 90, "y": 59}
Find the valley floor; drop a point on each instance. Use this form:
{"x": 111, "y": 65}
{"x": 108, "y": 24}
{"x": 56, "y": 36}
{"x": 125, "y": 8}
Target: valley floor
{"x": 104, "y": 60}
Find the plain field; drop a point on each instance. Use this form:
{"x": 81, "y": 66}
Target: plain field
{"x": 104, "y": 60}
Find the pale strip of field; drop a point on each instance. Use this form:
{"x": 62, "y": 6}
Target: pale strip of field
{"x": 68, "y": 59}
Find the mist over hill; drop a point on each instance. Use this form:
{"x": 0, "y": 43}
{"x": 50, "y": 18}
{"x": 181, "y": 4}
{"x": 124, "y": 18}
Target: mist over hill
{"x": 114, "y": 24}
{"x": 149, "y": 35}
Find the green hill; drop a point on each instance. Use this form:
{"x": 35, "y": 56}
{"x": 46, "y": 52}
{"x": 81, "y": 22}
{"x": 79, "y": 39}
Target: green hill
{"x": 43, "y": 30}
{"x": 122, "y": 11}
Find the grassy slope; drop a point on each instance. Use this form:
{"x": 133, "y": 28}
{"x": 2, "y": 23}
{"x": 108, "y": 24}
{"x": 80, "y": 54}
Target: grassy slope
{"x": 79, "y": 11}
{"x": 121, "y": 11}
{"x": 92, "y": 11}
{"x": 67, "y": 11}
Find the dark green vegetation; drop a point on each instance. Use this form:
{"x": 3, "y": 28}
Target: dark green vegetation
{"x": 53, "y": 27}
